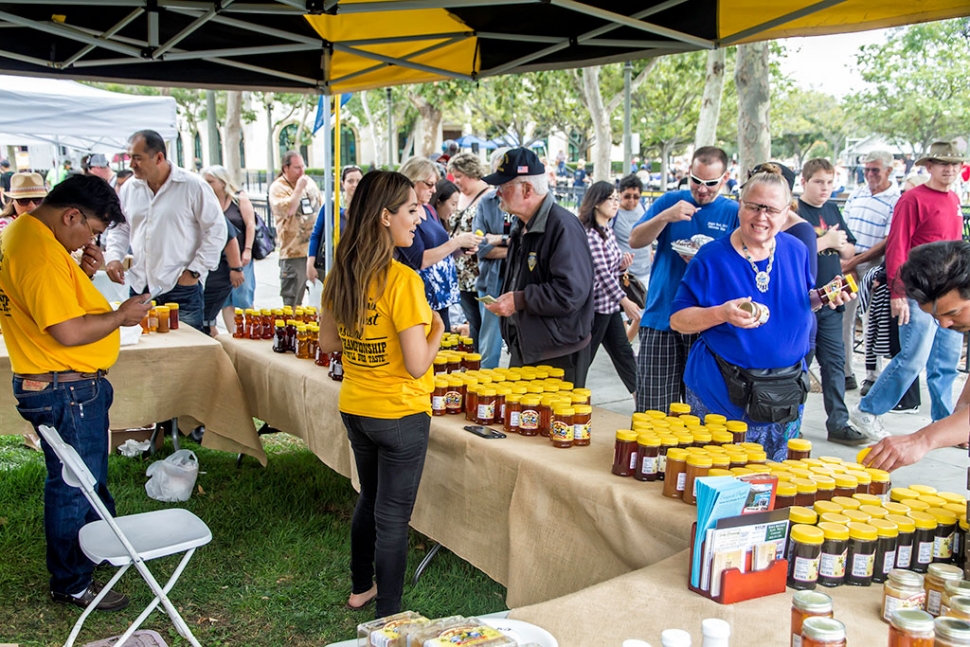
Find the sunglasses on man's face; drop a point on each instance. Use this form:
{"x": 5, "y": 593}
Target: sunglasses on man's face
{"x": 707, "y": 183}
{"x": 26, "y": 202}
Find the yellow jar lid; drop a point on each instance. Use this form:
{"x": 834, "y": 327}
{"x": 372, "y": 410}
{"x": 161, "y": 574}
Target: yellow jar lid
{"x": 639, "y": 425}
{"x": 473, "y": 357}
{"x": 801, "y": 472}
{"x": 884, "y": 528}
{"x": 583, "y": 409}
{"x": 300, "y": 327}
{"x": 660, "y": 424}
{"x": 440, "y": 384}
{"x": 679, "y": 407}
{"x": 171, "y": 305}
{"x": 647, "y": 440}
{"x": 555, "y": 371}
{"x": 905, "y": 524}
{"x": 585, "y": 392}
{"x": 800, "y": 445}
{"x": 847, "y": 503}
{"x": 736, "y": 426}
{"x": 922, "y": 520}
{"x": 534, "y": 387}
{"x": 862, "y": 531}
{"x": 741, "y": 471}
{"x": 874, "y": 511}
{"x": 678, "y": 423}
{"x": 783, "y": 477}
{"x": 699, "y": 460}
{"x": 578, "y": 399}
{"x": 863, "y": 477}
{"x": 805, "y": 534}
{"x": 813, "y": 462}
{"x": 716, "y": 471}
{"x": 541, "y": 375}
{"x": 821, "y": 507}
{"x": 917, "y": 505}
{"x": 714, "y": 418}
{"x": 722, "y": 437}
{"x": 533, "y": 401}
{"x": 943, "y": 517}
{"x": 878, "y": 476}
{"x": 667, "y": 440}
{"x": 487, "y": 393}
{"x": 923, "y": 489}
{"x": 653, "y": 413}
{"x": 825, "y": 471}
{"x": 503, "y": 391}
{"x": 901, "y": 494}
{"x": 952, "y": 497}
{"x": 960, "y": 510}
{"x": 805, "y": 486}
{"x": 831, "y": 459}
{"x": 834, "y": 531}
{"x": 823, "y": 482}
{"x": 701, "y": 437}
{"x": 867, "y": 499}
{"x": 933, "y": 500}
{"x": 752, "y": 447}
{"x": 547, "y": 400}
{"x": 688, "y": 419}
{"x": 791, "y": 462}
{"x": 757, "y": 456}
{"x": 757, "y": 468}
{"x": 837, "y": 468}
{"x": 800, "y": 514}
{"x": 896, "y": 508}
{"x": 552, "y": 388}
{"x": 279, "y": 323}
{"x": 676, "y": 454}
{"x": 857, "y": 515}
{"x": 513, "y": 398}
{"x": 786, "y": 489}
{"x": 835, "y": 517}
{"x": 626, "y": 435}
{"x": 291, "y": 322}
{"x": 846, "y": 481}
{"x": 455, "y": 381}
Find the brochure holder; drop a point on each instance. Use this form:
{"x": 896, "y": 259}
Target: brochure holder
{"x": 738, "y": 587}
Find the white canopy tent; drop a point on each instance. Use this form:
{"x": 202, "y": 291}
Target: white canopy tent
{"x": 67, "y": 113}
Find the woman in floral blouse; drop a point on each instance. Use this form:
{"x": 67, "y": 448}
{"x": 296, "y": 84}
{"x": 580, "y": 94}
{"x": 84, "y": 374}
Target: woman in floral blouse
{"x": 468, "y": 171}
{"x": 597, "y": 211}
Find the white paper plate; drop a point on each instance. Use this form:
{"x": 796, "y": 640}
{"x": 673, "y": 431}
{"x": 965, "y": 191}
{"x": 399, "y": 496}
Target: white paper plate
{"x": 523, "y": 632}
{"x": 683, "y": 247}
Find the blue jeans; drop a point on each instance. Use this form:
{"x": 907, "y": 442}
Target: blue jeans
{"x": 490, "y": 337}
{"x": 191, "y": 303}
{"x": 390, "y": 458}
{"x": 79, "y": 412}
{"x": 830, "y": 353}
{"x": 922, "y": 344}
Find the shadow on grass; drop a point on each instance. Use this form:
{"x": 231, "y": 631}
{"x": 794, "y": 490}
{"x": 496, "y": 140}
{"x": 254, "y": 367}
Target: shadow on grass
{"x": 276, "y": 572}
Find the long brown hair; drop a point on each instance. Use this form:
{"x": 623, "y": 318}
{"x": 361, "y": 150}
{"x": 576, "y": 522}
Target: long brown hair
{"x": 365, "y": 250}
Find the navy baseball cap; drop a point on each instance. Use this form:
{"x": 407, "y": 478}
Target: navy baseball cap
{"x": 515, "y": 163}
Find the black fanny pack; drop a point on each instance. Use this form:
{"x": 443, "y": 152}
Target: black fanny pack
{"x": 766, "y": 395}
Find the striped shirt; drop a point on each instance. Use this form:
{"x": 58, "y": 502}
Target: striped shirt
{"x": 607, "y": 292}
{"x": 869, "y": 216}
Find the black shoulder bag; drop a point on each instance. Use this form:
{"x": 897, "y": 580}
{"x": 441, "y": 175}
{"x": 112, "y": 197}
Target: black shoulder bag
{"x": 766, "y": 395}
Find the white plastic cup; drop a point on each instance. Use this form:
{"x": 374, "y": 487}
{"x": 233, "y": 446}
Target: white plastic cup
{"x": 675, "y": 638}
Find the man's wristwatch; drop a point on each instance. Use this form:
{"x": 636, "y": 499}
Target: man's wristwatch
{"x": 194, "y": 274}
{"x": 235, "y": 269}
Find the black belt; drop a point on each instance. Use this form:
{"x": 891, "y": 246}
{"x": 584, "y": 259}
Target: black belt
{"x": 61, "y": 376}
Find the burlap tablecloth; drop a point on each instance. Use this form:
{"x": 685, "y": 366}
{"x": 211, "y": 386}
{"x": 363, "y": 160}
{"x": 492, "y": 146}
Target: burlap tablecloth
{"x": 182, "y": 374}
{"x": 543, "y": 521}
{"x": 644, "y": 603}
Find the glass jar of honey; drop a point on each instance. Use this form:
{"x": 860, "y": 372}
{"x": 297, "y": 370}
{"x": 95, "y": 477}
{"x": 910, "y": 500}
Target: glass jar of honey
{"x": 513, "y": 410}
{"x": 279, "y": 336}
{"x": 239, "y": 325}
{"x": 625, "y": 453}
{"x": 455, "y": 398}
{"x": 675, "y": 473}
{"x": 952, "y": 632}
{"x": 806, "y": 552}
{"x": 678, "y": 408}
{"x": 952, "y": 589}
{"x": 438, "y": 407}
{"x": 486, "y": 406}
{"x": 697, "y": 466}
{"x": 173, "y": 318}
{"x": 785, "y": 495}
{"x": 582, "y": 424}
{"x": 946, "y": 524}
{"x": 823, "y": 632}
{"x": 936, "y": 577}
{"x": 804, "y": 605}
{"x": 924, "y": 541}
{"x": 806, "y": 491}
{"x": 861, "y": 558}
{"x": 831, "y": 568}
{"x": 902, "y": 590}
{"x": 529, "y": 416}
{"x": 959, "y": 607}
{"x": 888, "y": 533}
{"x": 648, "y": 455}
{"x": 561, "y": 431}
{"x": 911, "y": 628}
{"x": 880, "y": 484}
{"x": 738, "y": 429}
{"x": 545, "y": 414}
{"x": 799, "y": 448}
{"x": 164, "y": 318}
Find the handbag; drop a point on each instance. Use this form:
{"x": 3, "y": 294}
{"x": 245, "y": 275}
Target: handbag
{"x": 264, "y": 242}
{"x": 634, "y": 288}
{"x": 766, "y": 395}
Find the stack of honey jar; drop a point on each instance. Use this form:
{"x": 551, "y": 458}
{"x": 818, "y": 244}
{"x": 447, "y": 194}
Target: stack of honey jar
{"x": 292, "y": 330}
{"x": 527, "y": 400}
{"x": 160, "y": 318}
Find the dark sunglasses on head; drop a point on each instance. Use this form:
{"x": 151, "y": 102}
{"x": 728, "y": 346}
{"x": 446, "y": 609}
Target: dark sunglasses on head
{"x": 707, "y": 183}
{"x": 26, "y": 202}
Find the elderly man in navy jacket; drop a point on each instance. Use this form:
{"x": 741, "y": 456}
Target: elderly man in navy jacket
{"x": 547, "y": 295}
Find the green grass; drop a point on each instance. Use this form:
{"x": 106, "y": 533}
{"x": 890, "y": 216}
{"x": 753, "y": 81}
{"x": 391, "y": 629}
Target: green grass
{"x": 276, "y": 572}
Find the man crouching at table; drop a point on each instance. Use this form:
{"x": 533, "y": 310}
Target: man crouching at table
{"x": 62, "y": 336}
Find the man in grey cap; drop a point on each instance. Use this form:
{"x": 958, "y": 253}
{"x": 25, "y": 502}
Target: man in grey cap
{"x": 97, "y": 164}
{"x": 868, "y": 212}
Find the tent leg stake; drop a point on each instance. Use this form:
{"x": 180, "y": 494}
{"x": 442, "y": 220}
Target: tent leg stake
{"x": 424, "y": 564}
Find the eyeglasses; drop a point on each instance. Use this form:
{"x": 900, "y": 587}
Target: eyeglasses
{"x": 758, "y": 208}
{"x": 630, "y": 196}
{"x": 707, "y": 183}
{"x": 430, "y": 185}
{"x": 872, "y": 171}
{"x": 614, "y": 198}
{"x": 26, "y": 202}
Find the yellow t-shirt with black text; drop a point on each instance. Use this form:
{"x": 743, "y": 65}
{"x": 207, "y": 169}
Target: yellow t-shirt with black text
{"x": 376, "y": 383}
{"x": 40, "y": 286}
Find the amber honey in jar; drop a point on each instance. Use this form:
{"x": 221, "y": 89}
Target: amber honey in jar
{"x": 173, "y": 317}
{"x": 455, "y": 398}
{"x": 486, "y": 406}
{"x": 266, "y": 321}
{"x": 239, "y": 325}
{"x": 438, "y": 407}
{"x": 582, "y": 424}
{"x": 501, "y": 395}
{"x": 823, "y": 632}
{"x": 785, "y": 495}
{"x": 561, "y": 431}
{"x": 545, "y": 414}
{"x": 279, "y": 337}
{"x": 677, "y": 409}
{"x": 625, "y": 453}
{"x": 888, "y": 534}
{"x": 804, "y": 605}
{"x": 799, "y": 448}
{"x": 471, "y": 398}
{"x": 905, "y": 540}
{"x": 806, "y": 552}
{"x": 952, "y": 589}
{"x": 952, "y": 632}
{"x": 845, "y": 485}
{"x": 529, "y": 416}
{"x": 738, "y": 429}
{"x": 911, "y": 628}
{"x": 924, "y": 540}
{"x": 648, "y": 457}
{"x": 902, "y": 590}
{"x": 831, "y": 567}
{"x": 697, "y": 466}
{"x": 825, "y": 487}
{"x": 675, "y": 473}
{"x": 861, "y": 557}
{"x": 302, "y": 342}
{"x": 959, "y": 607}
{"x": 164, "y": 319}
{"x": 937, "y": 575}
{"x": 471, "y": 362}
{"x": 946, "y": 524}
{"x": 806, "y": 491}
{"x": 513, "y": 411}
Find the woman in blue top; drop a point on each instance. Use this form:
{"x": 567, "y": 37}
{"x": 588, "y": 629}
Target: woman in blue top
{"x": 431, "y": 253}
{"x": 757, "y": 262}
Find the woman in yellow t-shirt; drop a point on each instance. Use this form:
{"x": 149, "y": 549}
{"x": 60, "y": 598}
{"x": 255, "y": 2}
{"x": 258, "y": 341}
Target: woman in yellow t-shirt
{"x": 374, "y": 310}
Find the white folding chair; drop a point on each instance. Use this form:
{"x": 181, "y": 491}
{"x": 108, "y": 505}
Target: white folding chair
{"x": 130, "y": 540}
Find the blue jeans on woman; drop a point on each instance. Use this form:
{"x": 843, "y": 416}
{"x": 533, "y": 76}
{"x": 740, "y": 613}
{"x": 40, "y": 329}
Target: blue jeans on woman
{"x": 389, "y": 454}
{"x": 922, "y": 344}
{"x": 79, "y": 413}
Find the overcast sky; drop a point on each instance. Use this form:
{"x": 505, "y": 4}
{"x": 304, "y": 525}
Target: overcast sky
{"x": 827, "y": 63}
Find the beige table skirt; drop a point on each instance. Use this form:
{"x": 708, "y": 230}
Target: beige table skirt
{"x": 543, "y": 521}
{"x": 182, "y": 374}
{"x": 644, "y": 603}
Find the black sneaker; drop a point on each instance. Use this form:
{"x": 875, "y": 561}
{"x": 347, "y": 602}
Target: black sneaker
{"x": 850, "y": 383}
{"x": 866, "y": 385}
{"x": 848, "y": 435}
{"x": 112, "y": 601}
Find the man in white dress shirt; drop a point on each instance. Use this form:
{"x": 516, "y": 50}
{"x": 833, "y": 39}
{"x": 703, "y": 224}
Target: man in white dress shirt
{"x": 174, "y": 227}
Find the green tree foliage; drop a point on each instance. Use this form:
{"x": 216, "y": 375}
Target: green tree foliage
{"x": 917, "y": 89}
{"x": 807, "y": 123}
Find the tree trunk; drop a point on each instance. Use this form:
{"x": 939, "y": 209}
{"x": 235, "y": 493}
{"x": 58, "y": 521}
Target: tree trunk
{"x": 301, "y": 126}
{"x": 379, "y": 143}
{"x": 234, "y": 134}
{"x": 601, "y": 123}
{"x": 711, "y": 102}
{"x": 430, "y": 122}
{"x": 270, "y": 127}
{"x": 215, "y": 155}
{"x": 754, "y": 101}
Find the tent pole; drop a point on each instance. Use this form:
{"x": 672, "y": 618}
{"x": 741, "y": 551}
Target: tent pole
{"x": 327, "y": 183}
{"x": 336, "y": 171}
{"x": 390, "y": 129}
{"x": 627, "y": 135}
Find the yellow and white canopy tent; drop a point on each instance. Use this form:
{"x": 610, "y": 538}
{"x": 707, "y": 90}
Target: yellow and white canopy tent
{"x": 336, "y": 46}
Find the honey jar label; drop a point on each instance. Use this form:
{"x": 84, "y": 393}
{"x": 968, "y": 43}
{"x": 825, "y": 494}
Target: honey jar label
{"x": 805, "y": 570}
{"x": 888, "y": 561}
{"x": 904, "y": 556}
{"x": 438, "y": 403}
{"x": 529, "y": 419}
{"x": 862, "y": 565}
{"x": 453, "y": 399}
{"x": 832, "y": 565}
{"x": 890, "y": 604}
{"x": 561, "y": 431}
{"x": 933, "y": 602}
{"x": 581, "y": 431}
{"x": 925, "y": 554}
{"x": 943, "y": 547}
{"x": 648, "y": 465}
{"x": 662, "y": 463}
{"x": 681, "y": 481}
{"x": 486, "y": 411}
{"x": 514, "y": 417}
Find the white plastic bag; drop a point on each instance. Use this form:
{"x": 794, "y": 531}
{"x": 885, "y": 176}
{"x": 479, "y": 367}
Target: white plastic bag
{"x": 173, "y": 478}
